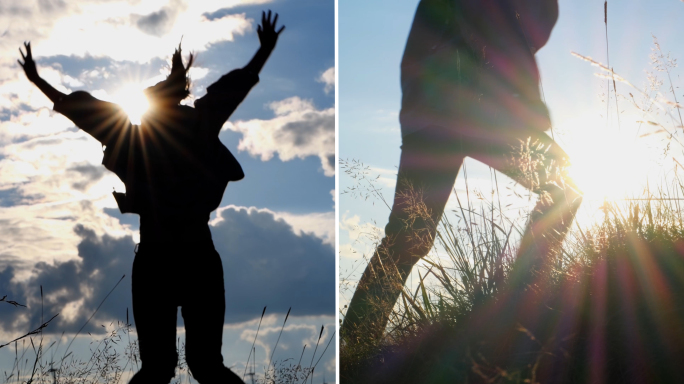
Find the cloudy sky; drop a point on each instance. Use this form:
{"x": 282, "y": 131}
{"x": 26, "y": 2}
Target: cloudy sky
{"x": 60, "y": 225}
{"x": 611, "y": 158}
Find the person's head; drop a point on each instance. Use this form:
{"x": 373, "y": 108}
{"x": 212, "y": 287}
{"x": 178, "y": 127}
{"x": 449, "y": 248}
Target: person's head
{"x": 175, "y": 88}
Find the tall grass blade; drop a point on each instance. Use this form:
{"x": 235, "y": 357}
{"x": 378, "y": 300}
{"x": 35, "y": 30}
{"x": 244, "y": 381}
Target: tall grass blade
{"x": 332, "y": 337}
{"x": 91, "y": 316}
{"x": 280, "y": 334}
{"x": 314, "y": 353}
{"x": 299, "y": 365}
{"x": 35, "y": 331}
{"x": 254, "y": 342}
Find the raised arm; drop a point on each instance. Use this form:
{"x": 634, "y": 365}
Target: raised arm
{"x": 224, "y": 96}
{"x": 103, "y": 120}
{"x": 268, "y": 36}
{"x": 29, "y": 67}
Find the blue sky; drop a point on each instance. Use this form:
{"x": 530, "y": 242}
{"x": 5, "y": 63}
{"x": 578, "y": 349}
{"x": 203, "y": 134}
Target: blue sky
{"x": 61, "y": 228}
{"x": 610, "y": 160}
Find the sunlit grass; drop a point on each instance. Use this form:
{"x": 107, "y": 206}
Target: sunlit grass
{"x": 615, "y": 282}
{"x": 610, "y": 306}
{"x": 115, "y": 356}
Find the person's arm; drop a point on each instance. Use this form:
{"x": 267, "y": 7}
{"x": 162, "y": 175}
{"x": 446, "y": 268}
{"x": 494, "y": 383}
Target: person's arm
{"x": 103, "y": 120}
{"x": 29, "y": 67}
{"x": 268, "y": 36}
{"x": 224, "y": 96}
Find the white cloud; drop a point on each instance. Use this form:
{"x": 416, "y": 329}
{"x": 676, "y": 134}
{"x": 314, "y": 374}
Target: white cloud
{"x": 122, "y": 30}
{"x": 298, "y": 130}
{"x": 348, "y": 251}
{"x": 357, "y": 232}
{"x": 48, "y": 183}
{"x": 16, "y": 89}
{"x": 197, "y": 73}
{"x": 328, "y": 78}
{"x": 321, "y": 225}
{"x": 295, "y": 335}
{"x": 357, "y": 244}
{"x": 386, "y": 177}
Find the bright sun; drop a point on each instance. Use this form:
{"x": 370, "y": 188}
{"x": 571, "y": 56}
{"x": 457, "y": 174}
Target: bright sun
{"x": 607, "y": 164}
{"x": 133, "y": 101}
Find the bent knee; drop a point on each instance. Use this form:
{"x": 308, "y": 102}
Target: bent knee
{"x": 407, "y": 245}
{"x": 568, "y": 194}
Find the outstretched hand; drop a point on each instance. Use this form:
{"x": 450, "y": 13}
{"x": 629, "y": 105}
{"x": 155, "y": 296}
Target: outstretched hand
{"x": 29, "y": 65}
{"x": 268, "y": 36}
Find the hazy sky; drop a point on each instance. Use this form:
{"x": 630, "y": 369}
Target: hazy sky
{"x": 60, "y": 225}
{"x": 610, "y": 159}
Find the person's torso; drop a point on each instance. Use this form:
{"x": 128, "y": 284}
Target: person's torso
{"x": 172, "y": 167}
{"x": 465, "y": 57}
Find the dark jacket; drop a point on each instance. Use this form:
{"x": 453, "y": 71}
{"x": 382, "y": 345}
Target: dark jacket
{"x": 173, "y": 163}
{"x": 471, "y": 63}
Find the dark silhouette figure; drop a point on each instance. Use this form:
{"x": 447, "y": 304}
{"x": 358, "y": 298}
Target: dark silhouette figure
{"x": 470, "y": 87}
{"x": 175, "y": 170}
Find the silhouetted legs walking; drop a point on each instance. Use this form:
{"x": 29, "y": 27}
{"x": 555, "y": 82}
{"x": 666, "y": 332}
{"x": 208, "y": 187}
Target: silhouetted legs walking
{"x": 430, "y": 161}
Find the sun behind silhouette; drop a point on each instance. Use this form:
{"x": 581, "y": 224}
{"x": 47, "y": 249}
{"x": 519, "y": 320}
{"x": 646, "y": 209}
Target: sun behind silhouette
{"x": 133, "y": 101}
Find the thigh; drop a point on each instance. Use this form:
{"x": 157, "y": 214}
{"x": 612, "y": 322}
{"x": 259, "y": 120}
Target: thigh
{"x": 154, "y": 311}
{"x": 203, "y": 307}
{"x": 429, "y": 163}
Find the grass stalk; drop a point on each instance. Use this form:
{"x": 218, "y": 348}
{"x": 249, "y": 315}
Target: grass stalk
{"x": 280, "y": 334}
{"x": 254, "y": 342}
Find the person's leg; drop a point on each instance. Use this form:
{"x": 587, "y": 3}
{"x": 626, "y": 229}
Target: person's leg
{"x": 541, "y": 166}
{"x": 538, "y": 163}
{"x": 428, "y": 166}
{"x": 203, "y": 310}
{"x": 154, "y": 312}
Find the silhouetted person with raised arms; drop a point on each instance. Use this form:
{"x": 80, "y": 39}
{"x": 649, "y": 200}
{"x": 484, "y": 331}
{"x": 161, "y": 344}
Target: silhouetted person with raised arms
{"x": 175, "y": 170}
{"x": 470, "y": 87}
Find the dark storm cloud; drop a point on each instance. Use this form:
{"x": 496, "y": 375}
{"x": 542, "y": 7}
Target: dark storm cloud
{"x": 5, "y": 286}
{"x": 101, "y": 262}
{"x": 265, "y": 264}
{"x": 330, "y": 162}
